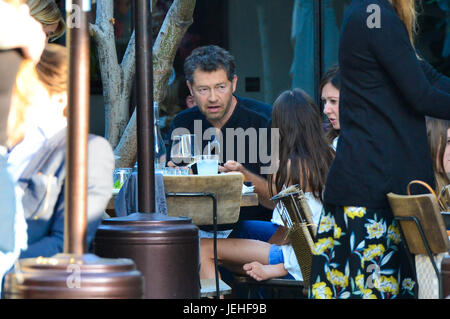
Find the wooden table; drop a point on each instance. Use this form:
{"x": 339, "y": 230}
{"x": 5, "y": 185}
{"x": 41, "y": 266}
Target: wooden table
{"x": 248, "y": 199}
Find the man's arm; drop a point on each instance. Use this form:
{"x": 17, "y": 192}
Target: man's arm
{"x": 260, "y": 183}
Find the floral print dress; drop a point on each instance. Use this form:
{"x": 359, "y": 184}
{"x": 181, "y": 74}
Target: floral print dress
{"x": 359, "y": 253}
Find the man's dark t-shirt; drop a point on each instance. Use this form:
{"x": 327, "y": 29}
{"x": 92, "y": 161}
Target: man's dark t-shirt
{"x": 240, "y": 141}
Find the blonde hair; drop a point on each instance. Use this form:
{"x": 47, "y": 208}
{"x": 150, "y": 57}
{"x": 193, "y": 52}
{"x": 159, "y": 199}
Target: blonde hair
{"x": 15, "y": 3}
{"x": 23, "y": 95}
{"x": 52, "y": 69}
{"x": 406, "y": 10}
{"x": 47, "y": 13}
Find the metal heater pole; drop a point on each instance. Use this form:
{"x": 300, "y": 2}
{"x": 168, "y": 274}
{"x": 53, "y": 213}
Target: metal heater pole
{"x": 75, "y": 273}
{"x": 77, "y": 129}
{"x": 144, "y": 111}
{"x": 164, "y": 248}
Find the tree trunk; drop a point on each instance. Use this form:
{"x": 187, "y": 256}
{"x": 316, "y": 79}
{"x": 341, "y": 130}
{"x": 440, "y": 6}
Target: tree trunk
{"x": 117, "y": 79}
{"x": 177, "y": 21}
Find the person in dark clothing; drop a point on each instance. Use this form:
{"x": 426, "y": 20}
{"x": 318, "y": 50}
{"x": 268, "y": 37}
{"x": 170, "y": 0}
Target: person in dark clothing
{"x": 387, "y": 89}
{"x": 236, "y": 123}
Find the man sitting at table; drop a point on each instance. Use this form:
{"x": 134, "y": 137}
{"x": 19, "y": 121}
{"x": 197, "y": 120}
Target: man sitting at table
{"x": 236, "y": 123}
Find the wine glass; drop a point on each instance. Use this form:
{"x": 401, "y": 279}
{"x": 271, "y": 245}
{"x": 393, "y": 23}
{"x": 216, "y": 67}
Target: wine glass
{"x": 184, "y": 150}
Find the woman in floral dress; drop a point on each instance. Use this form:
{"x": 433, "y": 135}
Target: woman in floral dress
{"x": 369, "y": 245}
{"x": 386, "y": 91}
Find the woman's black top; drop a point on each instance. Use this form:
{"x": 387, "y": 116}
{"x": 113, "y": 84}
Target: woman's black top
{"x": 386, "y": 91}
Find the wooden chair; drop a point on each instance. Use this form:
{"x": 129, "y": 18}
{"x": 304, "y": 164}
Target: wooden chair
{"x": 421, "y": 224}
{"x": 226, "y": 187}
{"x": 297, "y": 218}
{"x": 209, "y": 201}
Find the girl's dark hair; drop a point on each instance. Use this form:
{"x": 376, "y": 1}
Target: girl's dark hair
{"x": 304, "y": 152}
{"x": 331, "y": 76}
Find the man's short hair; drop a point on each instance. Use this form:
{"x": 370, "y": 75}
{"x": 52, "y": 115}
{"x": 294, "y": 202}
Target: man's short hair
{"x": 209, "y": 58}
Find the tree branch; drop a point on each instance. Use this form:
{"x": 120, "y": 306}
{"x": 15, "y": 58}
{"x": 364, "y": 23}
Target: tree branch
{"x": 116, "y": 111}
{"x": 128, "y": 65}
{"x": 177, "y": 21}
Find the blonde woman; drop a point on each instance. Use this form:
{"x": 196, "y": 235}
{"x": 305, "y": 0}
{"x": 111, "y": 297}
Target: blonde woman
{"x": 49, "y": 15}
{"x": 37, "y": 163}
{"x": 18, "y": 30}
{"x": 386, "y": 92}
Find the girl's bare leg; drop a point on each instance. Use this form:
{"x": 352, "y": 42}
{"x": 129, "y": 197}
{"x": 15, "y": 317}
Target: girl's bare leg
{"x": 231, "y": 251}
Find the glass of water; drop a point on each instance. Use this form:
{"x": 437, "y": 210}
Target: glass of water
{"x": 119, "y": 177}
{"x": 208, "y": 164}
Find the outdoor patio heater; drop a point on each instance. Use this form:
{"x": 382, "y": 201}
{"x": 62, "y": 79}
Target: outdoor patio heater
{"x": 74, "y": 273}
{"x": 165, "y": 249}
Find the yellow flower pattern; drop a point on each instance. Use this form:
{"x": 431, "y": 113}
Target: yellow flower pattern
{"x": 321, "y": 291}
{"x": 353, "y": 212}
{"x": 326, "y": 223}
{"x": 387, "y": 284}
{"x": 337, "y": 278}
{"x": 372, "y": 251}
{"x": 359, "y": 280}
{"x": 394, "y": 234}
{"x": 366, "y": 292}
{"x": 357, "y": 255}
{"x": 322, "y": 245}
{"x": 337, "y": 232}
{"x": 375, "y": 229}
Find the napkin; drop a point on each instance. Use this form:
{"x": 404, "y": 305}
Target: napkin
{"x": 247, "y": 189}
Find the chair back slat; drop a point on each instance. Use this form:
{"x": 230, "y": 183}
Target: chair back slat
{"x": 226, "y": 187}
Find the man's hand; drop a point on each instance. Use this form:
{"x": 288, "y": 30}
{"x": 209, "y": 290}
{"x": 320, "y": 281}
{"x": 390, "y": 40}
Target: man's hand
{"x": 232, "y": 166}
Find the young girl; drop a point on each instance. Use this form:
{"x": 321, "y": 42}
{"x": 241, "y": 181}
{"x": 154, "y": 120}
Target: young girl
{"x": 304, "y": 159}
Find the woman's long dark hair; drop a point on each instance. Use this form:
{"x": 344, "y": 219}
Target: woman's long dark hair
{"x": 302, "y": 145}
